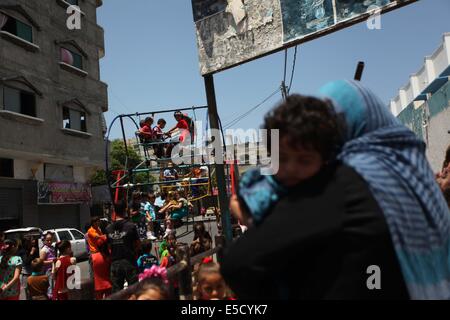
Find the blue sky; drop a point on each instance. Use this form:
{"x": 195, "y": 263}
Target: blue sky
{"x": 151, "y": 60}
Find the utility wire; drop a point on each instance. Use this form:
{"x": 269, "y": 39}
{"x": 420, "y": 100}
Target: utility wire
{"x": 293, "y": 70}
{"x": 242, "y": 116}
{"x": 283, "y": 82}
{"x": 121, "y": 104}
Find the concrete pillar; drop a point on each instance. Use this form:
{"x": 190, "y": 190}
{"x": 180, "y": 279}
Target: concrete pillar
{"x": 431, "y": 72}
{"x": 414, "y": 80}
{"x": 393, "y": 108}
{"x": 403, "y": 99}
{"x": 447, "y": 45}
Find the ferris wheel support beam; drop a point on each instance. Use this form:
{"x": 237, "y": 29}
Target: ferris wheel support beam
{"x": 220, "y": 167}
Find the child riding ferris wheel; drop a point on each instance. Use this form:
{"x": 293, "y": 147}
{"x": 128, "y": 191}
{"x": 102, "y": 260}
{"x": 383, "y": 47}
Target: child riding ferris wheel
{"x": 158, "y": 149}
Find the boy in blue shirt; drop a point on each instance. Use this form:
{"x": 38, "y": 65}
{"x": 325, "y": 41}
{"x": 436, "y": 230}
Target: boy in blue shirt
{"x": 147, "y": 259}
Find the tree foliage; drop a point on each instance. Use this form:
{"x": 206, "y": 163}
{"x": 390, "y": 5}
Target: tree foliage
{"x": 118, "y": 161}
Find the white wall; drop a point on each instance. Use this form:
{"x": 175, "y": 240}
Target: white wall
{"x": 22, "y": 169}
{"x": 438, "y": 139}
{"x": 79, "y": 174}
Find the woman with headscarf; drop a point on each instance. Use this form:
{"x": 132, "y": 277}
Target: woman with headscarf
{"x": 392, "y": 160}
{"x": 376, "y": 210}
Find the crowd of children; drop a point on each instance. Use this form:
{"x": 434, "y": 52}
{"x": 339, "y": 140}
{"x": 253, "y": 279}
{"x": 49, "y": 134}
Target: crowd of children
{"x": 209, "y": 284}
{"x": 45, "y": 281}
{"x": 155, "y": 216}
{"x": 153, "y": 283}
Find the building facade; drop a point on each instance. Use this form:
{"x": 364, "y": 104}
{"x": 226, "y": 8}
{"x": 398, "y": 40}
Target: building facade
{"x": 423, "y": 104}
{"x": 51, "y": 112}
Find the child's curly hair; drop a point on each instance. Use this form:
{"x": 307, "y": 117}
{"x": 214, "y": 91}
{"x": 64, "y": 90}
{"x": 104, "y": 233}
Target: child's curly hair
{"x": 157, "y": 284}
{"x": 307, "y": 122}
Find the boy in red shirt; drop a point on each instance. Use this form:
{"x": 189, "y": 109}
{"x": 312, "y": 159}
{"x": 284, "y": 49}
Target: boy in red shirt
{"x": 65, "y": 260}
{"x": 145, "y": 132}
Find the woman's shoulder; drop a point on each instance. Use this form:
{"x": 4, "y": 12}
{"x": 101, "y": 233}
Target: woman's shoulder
{"x": 358, "y": 198}
{"x": 351, "y": 181}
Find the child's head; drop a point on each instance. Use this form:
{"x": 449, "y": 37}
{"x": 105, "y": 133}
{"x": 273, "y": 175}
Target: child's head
{"x": 144, "y": 197}
{"x": 151, "y": 198}
{"x": 120, "y": 208}
{"x": 170, "y": 196}
{"x": 35, "y": 243}
{"x": 9, "y": 249}
{"x": 141, "y": 123}
{"x": 37, "y": 265}
{"x": 146, "y": 246}
{"x": 310, "y": 134}
{"x": 181, "y": 194}
{"x": 161, "y": 123}
{"x": 171, "y": 239}
{"x": 136, "y": 195}
{"x": 169, "y": 224}
{"x": 178, "y": 115}
{"x": 64, "y": 248}
{"x": 48, "y": 238}
{"x": 151, "y": 289}
{"x": 95, "y": 222}
{"x": 210, "y": 284}
{"x": 199, "y": 228}
{"x": 148, "y": 121}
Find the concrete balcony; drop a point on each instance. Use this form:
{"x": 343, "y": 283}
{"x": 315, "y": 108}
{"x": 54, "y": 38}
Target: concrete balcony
{"x": 434, "y": 73}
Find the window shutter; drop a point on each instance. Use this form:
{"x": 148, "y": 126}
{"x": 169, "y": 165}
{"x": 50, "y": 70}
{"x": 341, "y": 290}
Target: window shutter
{"x": 24, "y": 31}
{"x": 75, "y": 120}
{"x": 12, "y": 100}
{"x": 77, "y": 61}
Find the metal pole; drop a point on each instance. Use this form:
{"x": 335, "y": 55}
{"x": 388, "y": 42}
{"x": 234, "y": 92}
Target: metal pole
{"x": 359, "y": 71}
{"x": 124, "y": 138}
{"x": 220, "y": 167}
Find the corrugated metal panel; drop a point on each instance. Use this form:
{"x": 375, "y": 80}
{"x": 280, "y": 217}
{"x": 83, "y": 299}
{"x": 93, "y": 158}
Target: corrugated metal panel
{"x": 10, "y": 203}
{"x": 59, "y": 216}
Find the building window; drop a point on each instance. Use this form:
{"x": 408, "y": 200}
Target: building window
{"x": 74, "y": 119}
{"x": 19, "y": 101}
{"x": 16, "y": 27}
{"x": 72, "y": 58}
{"x": 6, "y": 168}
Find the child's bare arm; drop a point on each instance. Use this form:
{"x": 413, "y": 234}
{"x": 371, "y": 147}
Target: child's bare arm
{"x": 236, "y": 209}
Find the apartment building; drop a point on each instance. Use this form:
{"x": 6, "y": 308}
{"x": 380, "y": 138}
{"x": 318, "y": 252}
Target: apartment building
{"x": 423, "y": 104}
{"x": 51, "y": 112}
